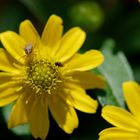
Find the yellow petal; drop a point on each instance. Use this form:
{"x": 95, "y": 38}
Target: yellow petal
{"x": 14, "y": 44}
{"x": 6, "y": 62}
{"x": 9, "y": 92}
{"x": 31, "y": 37}
{"x": 64, "y": 115}
{"x": 5, "y": 77}
{"x": 28, "y": 32}
{"x": 79, "y": 99}
{"x": 119, "y": 117}
{"x": 88, "y": 80}
{"x": 39, "y": 119}
{"x": 83, "y": 62}
{"x": 18, "y": 115}
{"x": 70, "y": 44}
{"x": 115, "y": 133}
{"x": 131, "y": 92}
{"x": 52, "y": 32}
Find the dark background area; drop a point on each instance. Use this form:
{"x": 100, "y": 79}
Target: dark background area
{"x": 101, "y": 19}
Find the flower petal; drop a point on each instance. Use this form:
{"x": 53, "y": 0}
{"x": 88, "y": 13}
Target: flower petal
{"x": 131, "y": 92}
{"x": 88, "y": 80}
{"x": 119, "y": 117}
{"x": 6, "y": 62}
{"x": 115, "y": 133}
{"x": 14, "y": 44}
{"x": 78, "y": 98}
{"x": 9, "y": 92}
{"x": 64, "y": 114}
{"x": 5, "y": 77}
{"x": 39, "y": 119}
{"x": 83, "y": 62}
{"x": 18, "y": 115}
{"x": 52, "y": 32}
{"x": 70, "y": 44}
{"x": 28, "y": 32}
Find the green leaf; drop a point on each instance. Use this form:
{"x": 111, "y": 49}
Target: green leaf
{"x": 19, "y": 130}
{"x": 116, "y": 70}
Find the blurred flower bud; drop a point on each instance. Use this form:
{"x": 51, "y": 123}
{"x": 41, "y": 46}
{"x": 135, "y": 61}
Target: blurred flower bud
{"x": 87, "y": 14}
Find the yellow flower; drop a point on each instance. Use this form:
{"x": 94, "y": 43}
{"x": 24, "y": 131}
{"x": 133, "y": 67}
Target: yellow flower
{"x": 127, "y": 124}
{"x": 47, "y": 73}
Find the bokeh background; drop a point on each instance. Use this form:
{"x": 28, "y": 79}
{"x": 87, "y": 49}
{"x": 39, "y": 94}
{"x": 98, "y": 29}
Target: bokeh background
{"x": 118, "y": 20}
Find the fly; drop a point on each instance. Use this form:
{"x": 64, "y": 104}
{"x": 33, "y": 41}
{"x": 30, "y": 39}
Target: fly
{"x": 28, "y": 49}
{"x": 59, "y": 64}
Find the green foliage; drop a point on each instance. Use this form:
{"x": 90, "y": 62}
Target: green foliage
{"x": 116, "y": 70}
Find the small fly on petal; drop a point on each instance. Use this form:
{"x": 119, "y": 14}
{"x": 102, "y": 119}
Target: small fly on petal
{"x": 59, "y": 64}
{"x": 28, "y": 48}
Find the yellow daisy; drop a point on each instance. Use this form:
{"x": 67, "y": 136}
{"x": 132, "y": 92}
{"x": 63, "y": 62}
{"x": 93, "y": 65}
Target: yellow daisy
{"x": 127, "y": 124}
{"x": 47, "y": 73}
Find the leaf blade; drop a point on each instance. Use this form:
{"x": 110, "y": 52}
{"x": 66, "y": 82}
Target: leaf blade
{"x": 116, "y": 70}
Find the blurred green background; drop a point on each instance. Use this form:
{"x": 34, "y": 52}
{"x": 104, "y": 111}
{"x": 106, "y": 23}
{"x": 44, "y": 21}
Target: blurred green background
{"x": 115, "y": 20}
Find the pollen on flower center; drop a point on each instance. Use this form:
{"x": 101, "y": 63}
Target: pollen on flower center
{"x": 42, "y": 76}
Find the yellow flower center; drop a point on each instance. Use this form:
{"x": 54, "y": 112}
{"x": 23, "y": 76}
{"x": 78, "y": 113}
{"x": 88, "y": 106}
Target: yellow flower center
{"x": 42, "y": 76}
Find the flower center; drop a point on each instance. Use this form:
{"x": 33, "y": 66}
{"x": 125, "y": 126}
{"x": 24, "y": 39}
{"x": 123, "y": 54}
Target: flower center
{"x": 42, "y": 76}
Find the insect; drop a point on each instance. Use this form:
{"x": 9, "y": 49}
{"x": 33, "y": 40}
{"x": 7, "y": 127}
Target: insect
{"x": 59, "y": 64}
{"x": 28, "y": 48}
